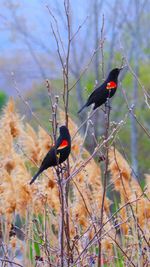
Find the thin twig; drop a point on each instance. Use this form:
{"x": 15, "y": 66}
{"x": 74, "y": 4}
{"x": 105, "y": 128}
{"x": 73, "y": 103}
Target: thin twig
{"x": 123, "y": 252}
{"x": 146, "y": 95}
{"x": 134, "y": 115}
{"x": 11, "y": 262}
{"x": 27, "y": 105}
{"x": 111, "y": 136}
{"x": 101, "y": 47}
{"x": 79, "y": 28}
{"x": 57, "y": 28}
{"x": 111, "y": 217}
{"x": 85, "y": 69}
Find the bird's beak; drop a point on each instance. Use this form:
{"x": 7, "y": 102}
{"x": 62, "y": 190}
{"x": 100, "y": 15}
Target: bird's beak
{"x": 124, "y": 66}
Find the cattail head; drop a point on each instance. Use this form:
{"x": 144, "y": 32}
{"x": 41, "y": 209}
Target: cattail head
{"x": 9, "y": 165}
{"x": 118, "y": 165}
{"x": 11, "y": 119}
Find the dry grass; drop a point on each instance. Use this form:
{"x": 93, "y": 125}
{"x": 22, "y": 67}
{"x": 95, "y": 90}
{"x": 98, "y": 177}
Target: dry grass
{"x": 38, "y": 206}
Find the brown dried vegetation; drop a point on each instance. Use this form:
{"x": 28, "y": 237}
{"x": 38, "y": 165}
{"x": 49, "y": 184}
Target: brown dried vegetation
{"x": 21, "y": 151}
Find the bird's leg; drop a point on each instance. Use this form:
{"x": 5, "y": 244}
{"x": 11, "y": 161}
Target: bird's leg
{"x": 107, "y": 104}
{"x": 103, "y": 110}
{"x": 101, "y": 157}
{"x": 61, "y": 168}
{"x": 64, "y": 167}
{"x": 58, "y": 170}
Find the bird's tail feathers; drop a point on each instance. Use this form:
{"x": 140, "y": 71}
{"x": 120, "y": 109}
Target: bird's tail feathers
{"x": 35, "y": 176}
{"x": 81, "y": 108}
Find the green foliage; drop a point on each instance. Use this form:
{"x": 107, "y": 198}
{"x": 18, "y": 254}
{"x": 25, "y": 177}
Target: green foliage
{"x": 115, "y": 203}
{"x": 37, "y": 249}
{"x": 3, "y": 99}
{"x": 89, "y": 84}
{"x": 96, "y": 251}
{"x": 31, "y": 250}
{"x": 127, "y": 82}
{"x": 144, "y": 75}
{"x": 39, "y": 100}
{"x": 119, "y": 262}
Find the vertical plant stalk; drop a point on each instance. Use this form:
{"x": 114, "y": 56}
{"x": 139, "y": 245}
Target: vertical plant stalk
{"x": 67, "y": 225}
{"x": 134, "y": 130}
{"x": 64, "y": 60}
{"x": 106, "y": 137}
{"x": 46, "y": 245}
{"x": 101, "y": 47}
{"x": 123, "y": 252}
{"x": 107, "y": 115}
{"x": 137, "y": 226}
{"x": 66, "y": 65}
{"x": 59, "y": 174}
{"x": 66, "y": 105}
{"x": 62, "y": 214}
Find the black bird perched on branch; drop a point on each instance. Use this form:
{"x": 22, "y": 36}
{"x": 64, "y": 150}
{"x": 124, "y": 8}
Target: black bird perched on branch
{"x": 104, "y": 91}
{"x": 58, "y": 153}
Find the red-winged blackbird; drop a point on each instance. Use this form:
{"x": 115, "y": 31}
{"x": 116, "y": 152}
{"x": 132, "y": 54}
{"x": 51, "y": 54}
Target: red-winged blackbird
{"x": 104, "y": 91}
{"x": 57, "y": 154}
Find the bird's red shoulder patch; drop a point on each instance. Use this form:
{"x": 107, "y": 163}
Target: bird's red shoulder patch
{"x": 63, "y": 144}
{"x": 111, "y": 85}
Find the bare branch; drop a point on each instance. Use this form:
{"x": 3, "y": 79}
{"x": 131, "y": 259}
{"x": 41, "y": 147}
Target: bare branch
{"x": 57, "y": 28}
{"x": 27, "y": 104}
{"x": 133, "y": 114}
{"x": 79, "y": 28}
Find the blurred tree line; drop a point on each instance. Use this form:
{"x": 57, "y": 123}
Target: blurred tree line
{"x": 106, "y": 31}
